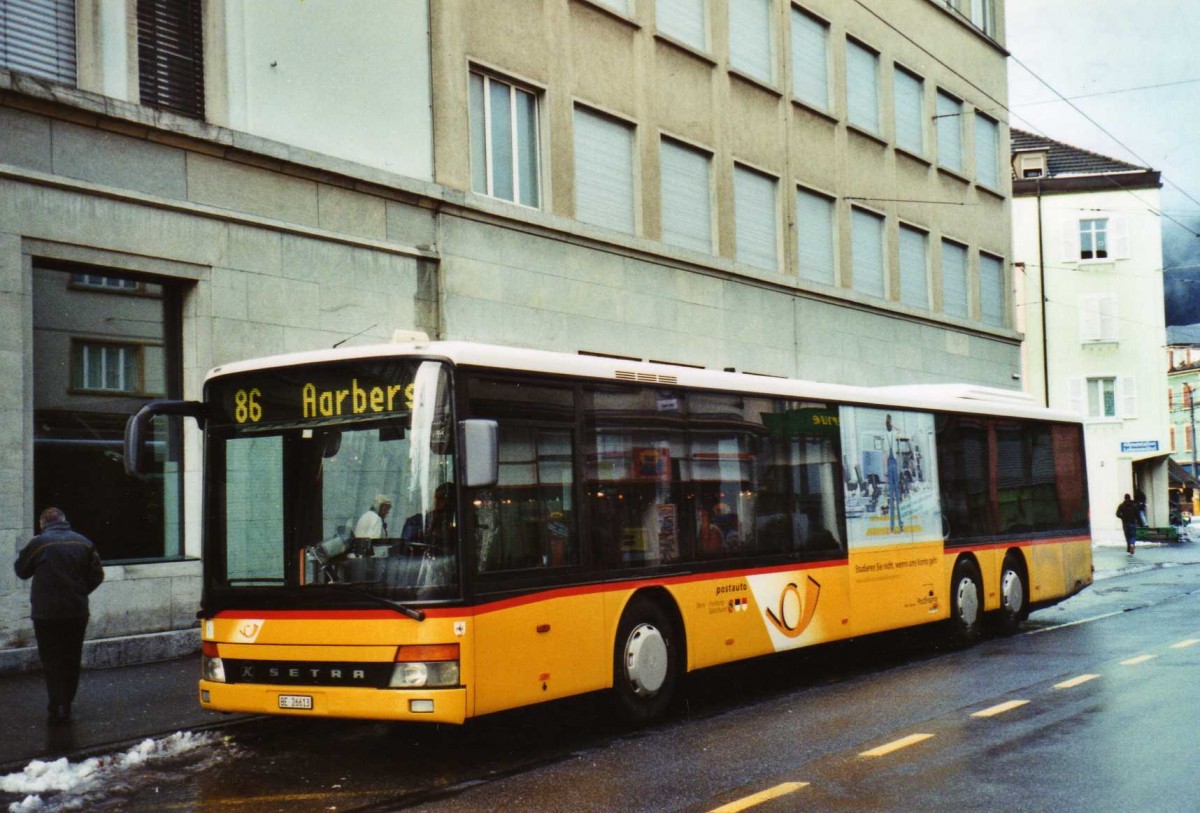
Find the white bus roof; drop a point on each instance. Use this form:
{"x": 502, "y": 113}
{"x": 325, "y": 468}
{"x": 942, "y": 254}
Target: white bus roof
{"x": 946, "y": 397}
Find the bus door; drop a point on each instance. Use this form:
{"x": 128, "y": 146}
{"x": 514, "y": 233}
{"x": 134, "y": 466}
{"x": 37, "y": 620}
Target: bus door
{"x": 537, "y": 628}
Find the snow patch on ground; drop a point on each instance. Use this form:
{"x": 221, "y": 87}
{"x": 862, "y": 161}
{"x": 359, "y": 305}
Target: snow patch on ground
{"x": 67, "y": 780}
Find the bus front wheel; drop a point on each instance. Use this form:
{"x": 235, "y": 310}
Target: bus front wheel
{"x": 645, "y": 661}
{"x": 966, "y": 603}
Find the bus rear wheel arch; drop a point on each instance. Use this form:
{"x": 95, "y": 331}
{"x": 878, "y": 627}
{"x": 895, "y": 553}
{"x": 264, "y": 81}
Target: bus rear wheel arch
{"x": 647, "y": 659}
{"x": 966, "y": 603}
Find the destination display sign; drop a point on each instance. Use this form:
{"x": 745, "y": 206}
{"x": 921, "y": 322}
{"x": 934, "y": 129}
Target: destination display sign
{"x": 317, "y": 394}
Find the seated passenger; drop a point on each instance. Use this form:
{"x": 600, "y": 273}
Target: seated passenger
{"x": 373, "y": 523}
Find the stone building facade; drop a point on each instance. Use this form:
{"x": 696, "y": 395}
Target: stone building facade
{"x": 812, "y": 189}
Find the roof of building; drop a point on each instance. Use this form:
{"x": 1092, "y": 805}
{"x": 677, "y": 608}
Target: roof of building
{"x": 1064, "y": 159}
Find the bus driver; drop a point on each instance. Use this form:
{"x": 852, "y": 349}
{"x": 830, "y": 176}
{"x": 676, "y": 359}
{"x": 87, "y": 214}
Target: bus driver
{"x": 373, "y": 523}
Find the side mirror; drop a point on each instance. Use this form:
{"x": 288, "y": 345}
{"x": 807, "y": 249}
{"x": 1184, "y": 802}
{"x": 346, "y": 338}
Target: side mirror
{"x": 480, "y": 447}
{"x": 137, "y": 430}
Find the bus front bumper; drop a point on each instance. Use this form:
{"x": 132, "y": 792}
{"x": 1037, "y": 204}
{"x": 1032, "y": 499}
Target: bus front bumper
{"x": 419, "y": 706}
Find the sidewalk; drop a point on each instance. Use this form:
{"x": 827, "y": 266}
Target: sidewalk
{"x": 123, "y": 705}
{"x": 115, "y": 707}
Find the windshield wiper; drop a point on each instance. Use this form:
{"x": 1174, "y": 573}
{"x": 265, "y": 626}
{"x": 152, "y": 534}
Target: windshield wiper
{"x": 357, "y": 588}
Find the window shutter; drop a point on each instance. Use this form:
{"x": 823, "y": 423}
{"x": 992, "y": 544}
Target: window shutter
{"x": 810, "y": 60}
{"x": 1089, "y": 319}
{"x": 1128, "y": 396}
{"x": 910, "y": 119}
{"x": 171, "y": 55}
{"x": 814, "y": 237}
{"x": 954, "y": 279}
{"x": 1075, "y": 397}
{"x": 914, "y": 268}
{"x": 750, "y": 38}
{"x": 754, "y": 205}
{"x": 862, "y": 87}
{"x": 867, "y": 252}
{"x": 1109, "y": 325}
{"x": 991, "y": 291}
{"x": 37, "y": 37}
{"x": 686, "y": 197}
{"x": 684, "y": 20}
{"x": 949, "y": 132}
{"x": 1070, "y": 241}
{"x": 1118, "y": 238}
{"x": 604, "y": 193}
{"x": 987, "y": 152}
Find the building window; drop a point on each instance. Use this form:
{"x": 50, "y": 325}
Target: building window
{"x": 686, "y": 197}
{"x": 683, "y": 20}
{"x": 862, "y": 87}
{"x": 1171, "y": 430}
{"x": 1098, "y": 318}
{"x": 37, "y": 37}
{"x": 86, "y": 390}
{"x": 909, "y": 90}
{"x": 171, "y": 55}
{"x": 1102, "y": 397}
{"x": 866, "y": 245}
{"x": 1093, "y": 239}
{"x": 751, "y": 49}
{"x": 914, "y": 267}
{"x": 987, "y": 151}
{"x": 1031, "y": 164}
{"x": 954, "y": 279}
{"x": 810, "y": 59}
{"x": 111, "y": 284}
{"x": 815, "y": 227}
{"x": 102, "y": 367}
{"x": 983, "y": 16}
{"x": 991, "y": 291}
{"x": 949, "y": 132}
{"x": 1096, "y": 239}
{"x": 504, "y": 141}
{"x": 604, "y": 189}
{"x": 756, "y": 214}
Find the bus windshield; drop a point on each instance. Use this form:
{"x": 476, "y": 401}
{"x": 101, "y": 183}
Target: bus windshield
{"x": 334, "y": 475}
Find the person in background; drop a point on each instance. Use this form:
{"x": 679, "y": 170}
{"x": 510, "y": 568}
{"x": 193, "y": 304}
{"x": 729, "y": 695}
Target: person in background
{"x": 1128, "y": 513}
{"x": 65, "y": 569}
{"x": 373, "y": 523}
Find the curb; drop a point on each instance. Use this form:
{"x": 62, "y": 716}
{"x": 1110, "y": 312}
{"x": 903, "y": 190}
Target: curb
{"x": 105, "y": 653}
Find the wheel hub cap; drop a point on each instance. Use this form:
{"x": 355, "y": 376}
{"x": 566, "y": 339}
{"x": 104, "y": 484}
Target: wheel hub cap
{"x": 1012, "y": 592}
{"x": 646, "y": 660}
{"x": 968, "y": 602}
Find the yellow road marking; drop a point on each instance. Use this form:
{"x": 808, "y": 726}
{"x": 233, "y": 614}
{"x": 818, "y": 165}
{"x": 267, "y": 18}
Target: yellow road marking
{"x": 1000, "y": 708}
{"x": 1138, "y": 659}
{"x": 1185, "y": 644}
{"x": 1075, "y": 681}
{"x": 896, "y": 745}
{"x": 760, "y": 797}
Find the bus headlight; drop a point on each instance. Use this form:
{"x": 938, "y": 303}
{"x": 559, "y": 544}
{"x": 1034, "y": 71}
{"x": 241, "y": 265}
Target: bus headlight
{"x": 211, "y": 666}
{"x": 425, "y": 666}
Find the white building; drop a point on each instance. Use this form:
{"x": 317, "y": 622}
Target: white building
{"x": 1087, "y": 245}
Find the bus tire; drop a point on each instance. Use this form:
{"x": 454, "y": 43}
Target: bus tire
{"x": 966, "y": 604}
{"x": 645, "y": 661}
{"x": 1014, "y": 596}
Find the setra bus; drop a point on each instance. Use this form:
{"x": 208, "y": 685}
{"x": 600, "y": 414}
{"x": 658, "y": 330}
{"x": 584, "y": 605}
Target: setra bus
{"x": 440, "y": 530}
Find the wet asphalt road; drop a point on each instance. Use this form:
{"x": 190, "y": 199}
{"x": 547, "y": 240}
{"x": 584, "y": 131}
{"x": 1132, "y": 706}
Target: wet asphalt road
{"x": 795, "y": 727}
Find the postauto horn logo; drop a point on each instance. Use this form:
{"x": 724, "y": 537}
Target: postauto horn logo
{"x": 795, "y": 611}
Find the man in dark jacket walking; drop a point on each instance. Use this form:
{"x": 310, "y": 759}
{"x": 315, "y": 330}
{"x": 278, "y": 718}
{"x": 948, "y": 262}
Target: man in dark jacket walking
{"x": 65, "y": 568}
{"x": 1128, "y": 513}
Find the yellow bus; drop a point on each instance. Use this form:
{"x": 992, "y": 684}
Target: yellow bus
{"x": 433, "y": 531}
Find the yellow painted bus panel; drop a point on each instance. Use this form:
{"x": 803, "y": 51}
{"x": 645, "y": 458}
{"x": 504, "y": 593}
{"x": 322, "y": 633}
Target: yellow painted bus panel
{"x": 540, "y": 650}
{"x": 897, "y": 585}
{"x": 1047, "y": 572}
{"x": 308, "y": 652}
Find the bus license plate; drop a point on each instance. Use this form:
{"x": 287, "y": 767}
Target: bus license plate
{"x": 295, "y": 701}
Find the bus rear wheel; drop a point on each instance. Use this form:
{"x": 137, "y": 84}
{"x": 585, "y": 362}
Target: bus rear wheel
{"x": 966, "y": 604}
{"x": 1014, "y": 596}
{"x": 645, "y": 662}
